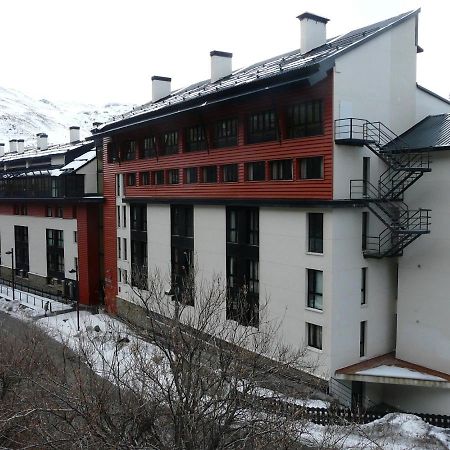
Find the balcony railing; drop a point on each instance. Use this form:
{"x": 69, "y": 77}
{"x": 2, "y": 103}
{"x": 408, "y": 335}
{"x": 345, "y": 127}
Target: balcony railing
{"x": 42, "y": 187}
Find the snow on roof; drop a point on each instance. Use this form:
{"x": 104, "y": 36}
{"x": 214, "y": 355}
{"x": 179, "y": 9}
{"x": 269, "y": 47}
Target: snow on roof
{"x": 398, "y": 372}
{"x": 264, "y": 70}
{"x": 76, "y": 164}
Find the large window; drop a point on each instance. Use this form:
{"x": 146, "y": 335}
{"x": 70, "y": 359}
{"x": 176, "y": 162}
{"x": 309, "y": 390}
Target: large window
{"x": 55, "y": 253}
{"x": 304, "y": 119}
{"x": 138, "y": 235}
{"x": 149, "y": 147}
{"x": 255, "y": 171}
{"x": 182, "y": 253}
{"x": 131, "y": 179}
{"x": 230, "y": 173}
{"x": 196, "y": 138}
{"x": 311, "y": 168}
{"x": 315, "y": 289}
{"x": 169, "y": 143}
{"x": 138, "y": 217}
{"x": 243, "y": 265}
{"x": 21, "y": 250}
{"x": 262, "y": 127}
{"x": 191, "y": 175}
{"x": 209, "y": 174}
{"x": 314, "y": 335}
{"x": 129, "y": 150}
{"x": 315, "y": 232}
{"x": 225, "y": 133}
{"x": 281, "y": 170}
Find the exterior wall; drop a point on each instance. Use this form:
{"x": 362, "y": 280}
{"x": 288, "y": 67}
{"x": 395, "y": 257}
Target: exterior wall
{"x": 423, "y": 334}
{"x": 377, "y": 82}
{"x": 428, "y": 104}
{"x": 346, "y": 311}
{"x": 90, "y": 177}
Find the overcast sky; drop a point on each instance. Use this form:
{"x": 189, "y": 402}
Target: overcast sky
{"x": 98, "y": 51}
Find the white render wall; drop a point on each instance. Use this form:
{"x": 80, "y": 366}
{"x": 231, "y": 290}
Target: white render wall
{"x": 427, "y": 105}
{"x": 37, "y": 240}
{"x": 377, "y": 82}
{"x": 423, "y": 332}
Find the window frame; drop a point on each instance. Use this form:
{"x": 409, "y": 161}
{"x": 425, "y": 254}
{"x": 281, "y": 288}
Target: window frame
{"x": 314, "y": 336}
{"x": 304, "y": 169}
{"x": 262, "y": 126}
{"x": 314, "y": 289}
{"x": 251, "y": 166}
{"x": 281, "y": 170}
{"x": 299, "y": 125}
{"x": 315, "y": 236}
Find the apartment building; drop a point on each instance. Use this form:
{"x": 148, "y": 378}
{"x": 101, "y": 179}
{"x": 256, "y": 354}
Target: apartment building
{"x": 50, "y": 217}
{"x": 288, "y": 178}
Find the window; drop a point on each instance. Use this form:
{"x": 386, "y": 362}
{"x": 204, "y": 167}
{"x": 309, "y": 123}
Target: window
{"x": 75, "y": 237}
{"x": 124, "y": 216}
{"x": 145, "y": 178}
{"x": 21, "y": 250}
{"x": 315, "y": 289}
{"x": 55, "y": 253}
{"x": 119, "y": 275}
{"x": 16, "y": 209}
{"x": 118, "y": 185}
{"x": 149, "y": 148}
{"x": 119, "y": 248}
{"x": 118, "y": 216}
{"x": 304, "y": 119}
{"x": 125, "y": 250}
{"x": 209, "y": 174}
{"x": 196, "y": 138}
{"x": 112, "y": 152}
{"x": 230, "y": 173}
{"x": 362, "y": 338}
{"x": 48, "y": 211}
{"x": 281, "y": 170}
{"x": 262, "y": 127}
{"x": 169, "y": 143}
{"x": 131, "y": 179}
{"x": 315, "y": 232}
{"x": 59, "y": 212}
{"x": 124, "y": 276}
{"x": 364, "y": 230}
{"x": 74, "y": 212}
{"x": 138, "y": 217}
{"x": 311, "y": 168}
{"x": 255, "y": 171}
{"x": 225, "y": 133}
{"x": 191, "y": 175}
{"x": 129, "y": 150}
{"x": 158, "y": 177}
{"x": 314, "y": 335}
{"x": 172, "y": 176}
{"x": 363, "y": 285}
{"x": 55, "y": 238}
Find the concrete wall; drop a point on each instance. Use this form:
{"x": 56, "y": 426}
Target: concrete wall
{"x": 427, "y": 105}
{"x": 423, "y": 333}
{"x": 90, "y": 177}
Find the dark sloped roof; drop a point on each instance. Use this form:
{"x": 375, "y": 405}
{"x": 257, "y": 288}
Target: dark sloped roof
{"x": 269, "y": 71}
{"x": 432, "y": 133}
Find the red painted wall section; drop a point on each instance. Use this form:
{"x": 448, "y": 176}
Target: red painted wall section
{"x": 109, "y": 233}
{"x": 88, "y": 253}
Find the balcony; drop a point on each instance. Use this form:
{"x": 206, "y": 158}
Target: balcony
{"x": 46, "y": 186}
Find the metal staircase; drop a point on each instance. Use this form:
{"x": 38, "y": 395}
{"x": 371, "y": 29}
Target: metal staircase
{"x": 385, "y": 201}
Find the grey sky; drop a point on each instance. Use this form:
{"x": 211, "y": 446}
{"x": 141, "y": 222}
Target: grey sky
{"x": 106, "y": 50}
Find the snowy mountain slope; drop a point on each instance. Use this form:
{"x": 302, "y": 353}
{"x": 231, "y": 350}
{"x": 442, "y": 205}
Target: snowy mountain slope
{"x": 22, "y": 116}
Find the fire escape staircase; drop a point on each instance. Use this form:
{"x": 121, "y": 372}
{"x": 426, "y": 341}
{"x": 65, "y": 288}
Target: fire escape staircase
{"x": 385, "y": 201}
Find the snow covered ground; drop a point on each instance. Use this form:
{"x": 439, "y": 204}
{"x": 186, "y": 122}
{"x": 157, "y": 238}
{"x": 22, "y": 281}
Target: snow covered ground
{"x": 394, "y": 431}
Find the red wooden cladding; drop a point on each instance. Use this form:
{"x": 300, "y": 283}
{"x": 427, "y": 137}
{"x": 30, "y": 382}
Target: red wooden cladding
{"x": 321, "y": 145}
{"x": 88, "y": 253}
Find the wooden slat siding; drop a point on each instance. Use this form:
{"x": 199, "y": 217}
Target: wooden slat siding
{"x": 109, "y": 231}
{"x": 288, "y": 148}
{"x": 6, "y": 208}
{"x": 88, "y": 254}
{"x": 36, "y": 209}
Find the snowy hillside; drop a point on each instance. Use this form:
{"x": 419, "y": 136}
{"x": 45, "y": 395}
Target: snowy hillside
{"x": 21, "y": 117}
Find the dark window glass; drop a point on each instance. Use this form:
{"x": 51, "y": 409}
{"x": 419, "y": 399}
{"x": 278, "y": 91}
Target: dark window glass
{"x": 149, "y": 147}
{"x": 225, "y": 133}
{"x": 364, "y": 230}
{"x": 59, "y": 212}
{"x": 55, "y": 253}
{"x": 113, "y": 154}
{"x": 281, "y": 170}
{"x": 262, "y": 127}
{"x": 48, "y": 211}
{"x": 172, "y": 176}
{"x": 196, "y": 138}
{"x": 255, "y": 171}
{"x": 304, "y": 119}
{"x": 191, "y": 175}
{"x": 145, "y": 178}
{"x": 131, "y": 179}
{"x": 230, "y": 173}
{"x": 315, "y": 289}
{"x": 209, "y": 174}
{"x": 362, "y": 339}
{"x": 129, "y": 150}
{"x": 314, "y": 335}
{"x": 138, "y": 217}
{"x": 169, "y": 143}
{"x": 158, "y": 177}
{"x": 182, "y": 221}
{"x": 363, "y": 285}
{"x": 311, "y": 168}
{"x": 315, "y": 232}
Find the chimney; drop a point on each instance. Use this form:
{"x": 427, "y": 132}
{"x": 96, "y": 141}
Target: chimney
{"x": 220, "y": 65}
{"x": 2, "y": 149}
{"x": 42, "y": 141}
{"x": 313, "y": 31}
{"x": 160, "y": 87}
{"x": 74, "y": 134}
{"x": 20, "y": 146}
{"x": 13, "y": 146}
